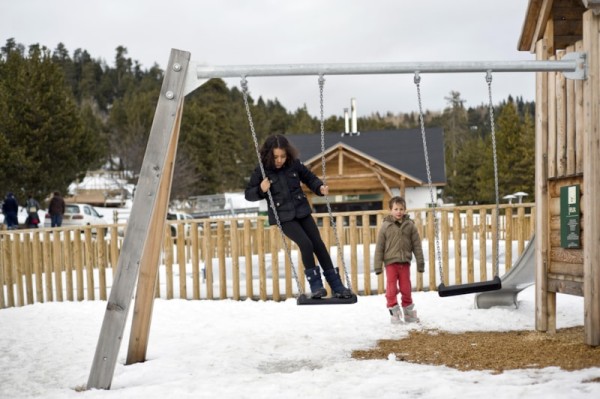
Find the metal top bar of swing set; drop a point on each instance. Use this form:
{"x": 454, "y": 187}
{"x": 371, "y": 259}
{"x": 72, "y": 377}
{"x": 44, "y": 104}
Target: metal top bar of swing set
{"x": 573, "y": 65}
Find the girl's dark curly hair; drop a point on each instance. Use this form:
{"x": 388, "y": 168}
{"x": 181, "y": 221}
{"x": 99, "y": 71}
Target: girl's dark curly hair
{"x": 277, "y": 141}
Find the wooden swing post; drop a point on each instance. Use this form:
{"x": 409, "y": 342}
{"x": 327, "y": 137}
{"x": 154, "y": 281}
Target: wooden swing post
{"x": 144, "y": 231}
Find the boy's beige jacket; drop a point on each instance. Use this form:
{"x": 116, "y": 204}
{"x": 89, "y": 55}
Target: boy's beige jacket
{"x": 397, "y": 241}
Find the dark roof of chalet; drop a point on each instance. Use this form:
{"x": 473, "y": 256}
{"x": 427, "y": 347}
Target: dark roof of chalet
{"x": 401, "y": 150}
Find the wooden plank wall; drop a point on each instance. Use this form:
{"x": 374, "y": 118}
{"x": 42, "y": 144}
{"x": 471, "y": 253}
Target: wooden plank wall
{"x": 591, "y": 170}
{"x": 564, "y": 168}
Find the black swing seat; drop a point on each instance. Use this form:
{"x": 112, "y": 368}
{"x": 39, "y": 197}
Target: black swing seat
{"x": 461, "y": 289}
{"x": 307, "y": 300}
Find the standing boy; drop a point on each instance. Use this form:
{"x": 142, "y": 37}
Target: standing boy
{"x": 397, "y": 240}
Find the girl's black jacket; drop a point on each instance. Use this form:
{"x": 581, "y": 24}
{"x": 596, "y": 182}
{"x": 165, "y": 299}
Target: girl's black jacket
{"x": 290, "y": 201}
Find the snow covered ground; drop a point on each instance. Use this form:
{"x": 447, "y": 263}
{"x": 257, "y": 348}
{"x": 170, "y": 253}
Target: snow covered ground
{"x": 254, "y": 349}
{"x": 250, "y": 349}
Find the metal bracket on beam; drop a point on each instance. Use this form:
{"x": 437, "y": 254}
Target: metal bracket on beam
{"x": 192, "y": 81}
{"x": 580, "y": 73}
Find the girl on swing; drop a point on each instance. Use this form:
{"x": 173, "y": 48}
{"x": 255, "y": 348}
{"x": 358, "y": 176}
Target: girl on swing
{"x": 284, "y": 173}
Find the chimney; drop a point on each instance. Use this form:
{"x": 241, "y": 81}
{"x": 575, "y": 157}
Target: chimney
{"x": 354, "y": 131}
{"x": 346, "y": 122}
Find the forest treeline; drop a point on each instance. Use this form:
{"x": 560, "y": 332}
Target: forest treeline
{"x": 64, "y": 113}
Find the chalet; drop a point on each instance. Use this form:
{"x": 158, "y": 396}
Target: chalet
{"x": 101, "y": 188}
{"x": 363, "y": 171}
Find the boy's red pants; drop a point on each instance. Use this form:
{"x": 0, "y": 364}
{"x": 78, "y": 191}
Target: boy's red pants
{"x": 398, "y": 281}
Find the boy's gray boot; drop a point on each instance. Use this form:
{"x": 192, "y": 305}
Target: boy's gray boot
{"x": 335, "y": 282}
{"x": 313, "y": 275}
{"x": 410, "y": 314}
{"x": 395, "y": 314}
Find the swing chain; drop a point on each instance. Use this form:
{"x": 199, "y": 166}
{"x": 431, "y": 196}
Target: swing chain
{"x": 322, "y": 120}
{"x": 331, "y": 218}
{"x": 244, "y": 85}
{"x": 417, "y": 81}
{"x": 488, "y": 79}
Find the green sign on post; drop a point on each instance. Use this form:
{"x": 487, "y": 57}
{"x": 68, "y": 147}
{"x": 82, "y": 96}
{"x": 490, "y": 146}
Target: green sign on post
{"x": 570, "y": 218}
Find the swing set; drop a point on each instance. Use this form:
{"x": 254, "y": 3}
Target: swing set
{"x": 140, "y": 252}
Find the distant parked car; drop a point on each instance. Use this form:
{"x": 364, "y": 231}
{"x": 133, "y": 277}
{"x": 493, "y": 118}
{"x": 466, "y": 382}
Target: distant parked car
{"x": 180, "y": 216}
{"x": 78, "y": 215}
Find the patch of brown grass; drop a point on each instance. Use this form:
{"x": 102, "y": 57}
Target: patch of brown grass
{"x": 496, "y": 351}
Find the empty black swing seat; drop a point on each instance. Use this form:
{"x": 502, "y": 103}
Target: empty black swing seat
{"x": 461, "y": 289}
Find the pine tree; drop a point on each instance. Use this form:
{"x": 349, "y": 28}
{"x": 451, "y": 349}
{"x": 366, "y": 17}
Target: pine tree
{"x": 461, "y": 188}
{"x": 210, "y": 141}
{"x": 130, "y": 122}
{"x": 41, "y": 121}
{"x": 303, "y": 123}
{"x": 515, "y": 155}
{"x": 454, "y": 121}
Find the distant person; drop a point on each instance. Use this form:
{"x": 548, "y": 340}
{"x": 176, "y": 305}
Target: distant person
{"x": 397, "y": 240}
{"x": 56, "y": 209}
{"x": 32, "y": 206}
{"x": 284, "y": 173}
{"x": 10, "y": 209}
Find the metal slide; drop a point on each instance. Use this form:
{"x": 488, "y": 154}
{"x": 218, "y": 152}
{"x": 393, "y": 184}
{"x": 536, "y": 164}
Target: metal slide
{"x": 520, "y": 276}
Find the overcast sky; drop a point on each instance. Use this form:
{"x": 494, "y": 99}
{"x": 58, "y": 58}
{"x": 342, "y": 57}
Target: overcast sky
{"x": 245, "y": 32}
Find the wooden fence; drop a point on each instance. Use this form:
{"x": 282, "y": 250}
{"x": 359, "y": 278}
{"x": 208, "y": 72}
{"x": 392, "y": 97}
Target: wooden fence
{"x": 245, "y": 258}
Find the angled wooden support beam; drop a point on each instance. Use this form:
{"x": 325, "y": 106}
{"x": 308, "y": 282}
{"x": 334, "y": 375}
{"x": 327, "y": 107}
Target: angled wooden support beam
{"x": 145, "y": 215}
{"x": 148, "y": 276}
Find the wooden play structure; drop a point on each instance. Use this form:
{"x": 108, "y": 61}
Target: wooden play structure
{"x": 567, "y": 156}
{"x": 567, "y": 160}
